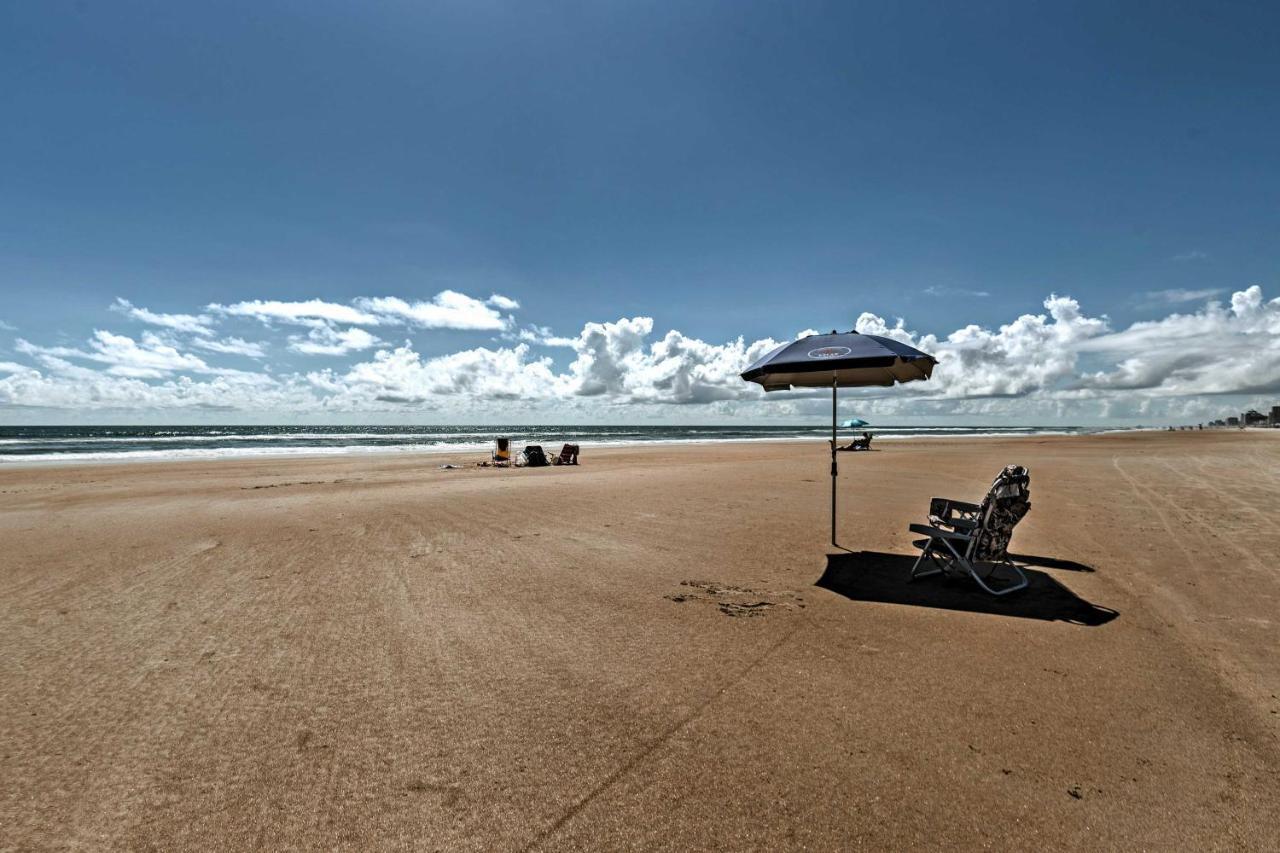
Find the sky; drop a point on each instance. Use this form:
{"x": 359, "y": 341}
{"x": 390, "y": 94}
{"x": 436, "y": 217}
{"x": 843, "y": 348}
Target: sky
{"x": 482, "y": 212}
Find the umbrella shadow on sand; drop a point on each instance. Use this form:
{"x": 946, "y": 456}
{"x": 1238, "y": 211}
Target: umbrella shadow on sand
{"x": 878, "y": 577}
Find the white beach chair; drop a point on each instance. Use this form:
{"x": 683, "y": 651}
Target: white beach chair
{"x": 972, "y": 540}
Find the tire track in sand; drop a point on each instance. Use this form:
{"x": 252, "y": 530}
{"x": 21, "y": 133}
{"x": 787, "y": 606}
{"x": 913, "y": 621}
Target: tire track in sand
{"x": 654, "y": 745}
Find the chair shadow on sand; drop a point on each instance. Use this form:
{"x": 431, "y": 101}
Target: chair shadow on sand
{"x": 1050, "y": 563}
{"x": 878, "y": 577}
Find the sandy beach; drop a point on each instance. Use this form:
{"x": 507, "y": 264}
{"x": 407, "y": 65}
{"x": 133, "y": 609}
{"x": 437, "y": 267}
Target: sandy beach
{"x": 658, "y": 649}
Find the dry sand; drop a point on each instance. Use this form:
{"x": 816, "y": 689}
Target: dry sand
{"x": 656, "y": 650}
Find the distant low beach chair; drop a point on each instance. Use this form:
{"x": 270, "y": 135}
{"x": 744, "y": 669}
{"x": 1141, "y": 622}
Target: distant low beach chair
{"x": 568, "y": 455}
{"x": 863, "y": 443}
{"x": 972, "y": 540}
{"x": 501, "y": 451}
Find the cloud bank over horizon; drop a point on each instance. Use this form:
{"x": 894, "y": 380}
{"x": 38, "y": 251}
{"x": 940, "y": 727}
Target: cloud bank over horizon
{"x": 253, "y": 360}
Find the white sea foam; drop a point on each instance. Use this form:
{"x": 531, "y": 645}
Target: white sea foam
{"x": 193, "y": 453}
{"x": 445, "y": 447}
{"x": 219, "y": 437}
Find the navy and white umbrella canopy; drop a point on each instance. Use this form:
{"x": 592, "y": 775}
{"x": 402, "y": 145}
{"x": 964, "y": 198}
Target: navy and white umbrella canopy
{"x": 840, "y": 360}
{"x": 847, "y": 360}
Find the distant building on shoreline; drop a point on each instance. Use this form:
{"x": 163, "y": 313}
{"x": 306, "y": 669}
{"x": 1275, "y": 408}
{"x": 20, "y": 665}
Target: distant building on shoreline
{"x": 1248, "y": 419}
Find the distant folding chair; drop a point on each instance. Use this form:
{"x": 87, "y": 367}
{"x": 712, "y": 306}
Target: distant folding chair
{"x": 534, "y": 457}
{"x": 972, "y": 540}
{"x": 501, "y": 451}
{"x": 568, "y": 455}
{"x": 863, "y": 443}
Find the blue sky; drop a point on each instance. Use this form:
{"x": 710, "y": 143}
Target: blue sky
{"x": 720, "y": 169}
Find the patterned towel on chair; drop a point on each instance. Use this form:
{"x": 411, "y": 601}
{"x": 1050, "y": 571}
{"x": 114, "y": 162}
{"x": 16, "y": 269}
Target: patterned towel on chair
{"x": 1003, "y": 507}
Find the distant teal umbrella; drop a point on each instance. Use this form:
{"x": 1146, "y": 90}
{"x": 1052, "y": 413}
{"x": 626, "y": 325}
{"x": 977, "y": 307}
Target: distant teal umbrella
{"x": 855, "y": 422}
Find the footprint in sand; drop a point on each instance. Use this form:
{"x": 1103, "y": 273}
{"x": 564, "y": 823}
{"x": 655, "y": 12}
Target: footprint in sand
{"x": 448, "y": 794}
{"x": 736, "y": 601}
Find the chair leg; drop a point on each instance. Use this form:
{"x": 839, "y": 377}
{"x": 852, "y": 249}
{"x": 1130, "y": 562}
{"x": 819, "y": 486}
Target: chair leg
{"x": 953, "y": 562}
{"x": 1018, "y": 584}
{"x": 926, "y": 551}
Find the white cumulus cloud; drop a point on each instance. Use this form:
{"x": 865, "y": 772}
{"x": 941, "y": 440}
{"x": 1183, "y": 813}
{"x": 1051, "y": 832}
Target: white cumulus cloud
{"x": 1033, "y": 353}
{"x": 151, "y": 358}
{"x": 1176, "y": 295}
{"x": 446, "y": 310}
{"x": 326, "y": 340}
{"x": 402, "y": 375}
{"x": 304, "y": 313}
{"x": 196, "y": 324}
{"x": 231, "y": 346}
{"x": 541, "y": 335}
{"x": 505, "y": 303}
{"x": 1060, "y": 363}
{"x": 1216, "y": 350}
{"x": 615, "y": 359}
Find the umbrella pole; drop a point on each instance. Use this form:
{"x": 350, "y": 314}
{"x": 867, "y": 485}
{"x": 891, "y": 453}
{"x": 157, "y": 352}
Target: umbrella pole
{"x": 833, "y": 460}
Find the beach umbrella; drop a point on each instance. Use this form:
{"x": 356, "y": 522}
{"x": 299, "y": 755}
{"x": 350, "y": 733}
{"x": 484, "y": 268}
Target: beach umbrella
{"x": 839, "y": 360}
{"x": 854, "y": 423}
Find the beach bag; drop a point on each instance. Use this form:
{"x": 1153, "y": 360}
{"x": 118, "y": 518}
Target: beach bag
{"x": 534, "y": 457}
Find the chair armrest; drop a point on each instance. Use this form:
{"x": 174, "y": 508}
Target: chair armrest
{"x": 962, "y": 506}
{"x": 944, "y": 512}
{"x": 938, "y": 533}
{"x": 957, "y": 522}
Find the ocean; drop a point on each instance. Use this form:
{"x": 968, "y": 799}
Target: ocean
{"x": 127, "y": 443}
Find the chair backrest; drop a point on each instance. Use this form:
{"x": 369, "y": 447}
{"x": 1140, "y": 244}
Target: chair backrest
{"x": 534, "y": 457}
{"x": 569, "y": 454}
{"x": 502, "y": 450}
{"x": 1004, "y": 506}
